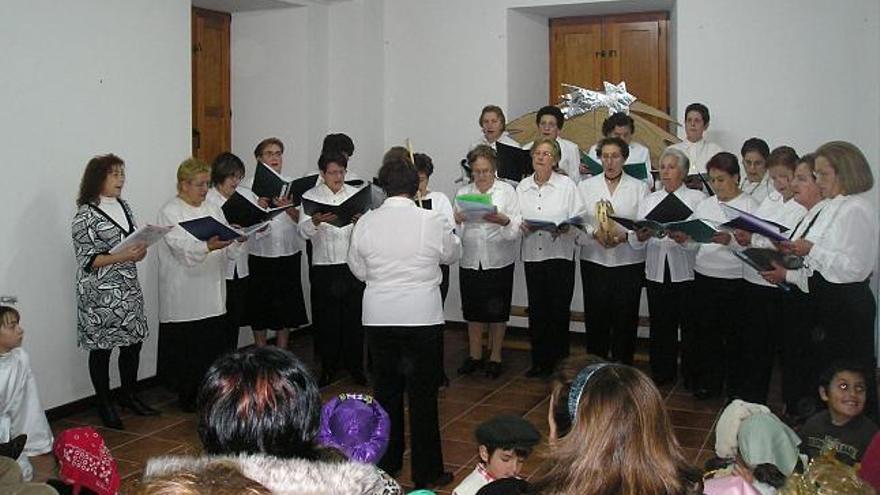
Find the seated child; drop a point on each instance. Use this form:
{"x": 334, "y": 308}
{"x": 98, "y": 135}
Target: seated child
{"x": 842, "y": 427}
{"x": 505, "y": 443}
{"x": 20, "y": 409}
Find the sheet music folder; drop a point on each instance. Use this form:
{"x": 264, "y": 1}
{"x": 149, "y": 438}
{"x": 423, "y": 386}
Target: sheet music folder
{"x": 357, "y": 203}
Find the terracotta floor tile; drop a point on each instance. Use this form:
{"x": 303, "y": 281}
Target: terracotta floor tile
{"x": 458, "y": 453}
{"x": 139, "y": 451}
{"x": 691, "y": 437}
{"x": 692, "y": 419}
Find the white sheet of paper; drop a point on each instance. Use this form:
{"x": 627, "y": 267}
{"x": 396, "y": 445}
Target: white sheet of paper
{"x": 145, "y": 234}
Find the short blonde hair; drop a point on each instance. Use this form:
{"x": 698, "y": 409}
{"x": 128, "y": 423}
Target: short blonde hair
{"x": 850, "y": 165}
{"x": 218, "y": 478}
{"x": 189, "y": 169}
{"x": 557, "y": 153}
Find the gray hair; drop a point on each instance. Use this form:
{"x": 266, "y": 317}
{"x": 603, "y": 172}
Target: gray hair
{"x": 681, "y": 159}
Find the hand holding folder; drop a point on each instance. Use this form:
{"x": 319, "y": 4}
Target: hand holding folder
{"x": 242, "y": 211}
{"x": 346, "y": 212}
{"x": 208, "y": 228}
{"x": 145, "y": 235}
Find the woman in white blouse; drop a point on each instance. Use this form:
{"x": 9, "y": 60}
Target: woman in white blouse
{"x": 486, "y": 267}
{"x": 227, "y": 171}
{"x": 548, "y": 255}
{"x": 841, "y": 253}
{"x": 756, "y": 183}
{"x": 192, "y": 289}
{"x": 621, "y": 125}
{"x": 275, "y": 296}
{"x": 612, "y": 270}
{"x": 695, "y": 145}
{"x": 800, "y": 371}
{"x": 550, "y": 120}
{"x": 397, "y": 249}
{"x": 718, "y": 285}
{"x": 763, "y": 317}
{"x": 336, "y": 294}
{"x": 669, "y": 273}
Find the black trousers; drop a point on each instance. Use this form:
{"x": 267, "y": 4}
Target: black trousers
{"x": 844, "y": 329}
{"x": 186, "y": 351}
{"x": 611, "y": 309}
{"x": 668, "y": 304}
{"x": 405, "y": 362}
{"x": 717, "y": 334}
{"x": 800, "y": 373}
{"x": 337, "y": 299}
{"x": 236, "y": 310}
{"x": 763, "y": 323}
{"x": 550, "y": 286}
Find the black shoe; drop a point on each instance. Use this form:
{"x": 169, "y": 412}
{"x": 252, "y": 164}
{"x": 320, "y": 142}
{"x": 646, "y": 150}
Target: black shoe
{"x": 134, "y": 404}
{"x": 109, "y": 416}
{"x": 444, "y": 381}
{"x": 14, "y": 447}
{"x": 444, "y": 479}
{"x": 537, "y": 372}
{"x": 326, "y": 378}
{"x": 493, "y": 369}
{"x": 469, "y": 366}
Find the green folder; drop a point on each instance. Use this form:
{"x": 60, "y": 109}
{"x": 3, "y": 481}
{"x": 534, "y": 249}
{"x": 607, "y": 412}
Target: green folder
{"x": 637, "y": 170}
{"x": 698, "y": 230}
{"x": 485, "y": 199}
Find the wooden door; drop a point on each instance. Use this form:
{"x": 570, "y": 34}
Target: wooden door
{"x": 575, "y": 54}
{"x": 586, "y": 51}
{"x": 211, "y": 107}
{"x": 636, "y": 53}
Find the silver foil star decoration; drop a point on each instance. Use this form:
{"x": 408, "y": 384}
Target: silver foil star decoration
{"x": 579, "y": 101}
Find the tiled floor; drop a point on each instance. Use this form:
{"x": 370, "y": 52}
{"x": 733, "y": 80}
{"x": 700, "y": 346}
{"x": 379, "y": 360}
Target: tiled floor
{"x": 463, "y": 405}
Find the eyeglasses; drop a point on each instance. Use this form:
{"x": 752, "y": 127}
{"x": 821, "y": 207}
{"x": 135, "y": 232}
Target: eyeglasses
{"x": 543, "y": 153}
{"x": 271, "y": 154}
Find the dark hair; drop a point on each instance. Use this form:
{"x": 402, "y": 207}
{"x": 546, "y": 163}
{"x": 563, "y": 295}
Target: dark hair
{"x": 618, "y": 119}
{"x": 332, "y": 156}
{"x": 338, "y": 142}
{"x": 755, "y": 144}
{"x": 783, "y": 156}
{"x": 841, "y": 365}
{"x": 266, "y": 142}
{"x": 93, "y": 178}
{"x": 810, "y": 160}
{"x": 725, "y": 162}
{"x": 483, "y": 151}
{"x": 7, "y": 312}
{"x": 224, "y": 166}
{"x": 551, "y": 110}
{"x": 703, "y": 110}
{"x": 423, "y": 163}
{"x": 398, "y": 176}
{"x": 397, "y": 153}
{"x": 259, "y": 400}
{"x": 496, "y": 110}
{"x": 613, "y": 141}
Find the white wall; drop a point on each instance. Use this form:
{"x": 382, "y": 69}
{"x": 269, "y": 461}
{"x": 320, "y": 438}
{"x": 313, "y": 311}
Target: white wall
{"x": 80, "y": 79}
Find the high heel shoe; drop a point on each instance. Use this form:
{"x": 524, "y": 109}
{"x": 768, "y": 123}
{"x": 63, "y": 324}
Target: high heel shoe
{"x": 134, "y": 404}
{"x": 109, "y": 416}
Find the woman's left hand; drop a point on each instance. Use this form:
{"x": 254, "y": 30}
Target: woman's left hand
{"x": 721, "y": 238}
{"x": 499, "y": 218}
{"x": 776, "y": 275}
{"x": 801, "y": 247}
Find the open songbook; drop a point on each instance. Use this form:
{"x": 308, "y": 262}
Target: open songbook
{"x": 270, "y": 184}
{"x": 240, "y": 210}
{"x": 145, "y": 234}
{"x": 553, "y": 227}
{"x": 762, "y": 259}
{"x": 637, "y": 170}
{"x": 356, "y": 204}
{"x": 698, "y": 230}
{"x": 204, "y": 228}
{"x": 750, "y": 223}
{"x": 475, "y": 207}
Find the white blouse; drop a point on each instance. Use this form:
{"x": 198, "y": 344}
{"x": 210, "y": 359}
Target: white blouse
{"x": 504, "y": 138}
{"x": 804, "y": 230}
{"x": 556, "y": 200}
{"x": 569, "y": 160}
{"x": 638, "y": 153}
{"x": 659, "y": 251}
{"x": 489, "y": 245}
{"x": 113, "y": 208}
{"x": 759, "y": 191}
{"x": 625, "y": 200}
{"x": 282, "y": 238}
{"x": 717, "y": 260}
{"x": 329, "y": 242}
{"x": 397, "y": 250}
{"x": 845, "y": 238}
{"x": 699, "y": 153}
{"x": 239, "y": 264}
{"x": 191, "y": 279}
{"x": 440, "y": 204}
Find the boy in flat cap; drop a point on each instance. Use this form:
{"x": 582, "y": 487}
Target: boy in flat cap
{"x": 505, "y": 443}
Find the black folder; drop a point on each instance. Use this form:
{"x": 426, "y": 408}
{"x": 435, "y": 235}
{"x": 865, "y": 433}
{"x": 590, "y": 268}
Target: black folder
{"x": 358, "y": 203}
{"x": 513, "y": 163}
{"x": 243, "y": 212}
{"x": 424, "y": 203}
{"x": 670, "y": 209}
{"x": 205, "y": 228}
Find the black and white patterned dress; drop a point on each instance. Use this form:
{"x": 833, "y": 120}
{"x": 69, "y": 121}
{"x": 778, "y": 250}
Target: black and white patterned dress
{"x": 110, "y": 304}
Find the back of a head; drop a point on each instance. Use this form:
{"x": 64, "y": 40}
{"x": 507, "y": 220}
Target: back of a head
{"x": 219, "y": 478}
{"x": 259, "y": 401}
{"x": 621, "y": 441}
{"x": 398, "y": 175}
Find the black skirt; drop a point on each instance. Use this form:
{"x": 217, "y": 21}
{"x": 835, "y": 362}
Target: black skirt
{"x": 485, "y": 294}
{"x": 275, "y": 297}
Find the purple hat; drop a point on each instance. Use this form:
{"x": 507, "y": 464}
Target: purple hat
{"x": 356, "y": 425}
